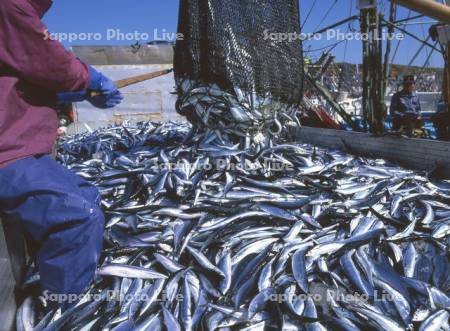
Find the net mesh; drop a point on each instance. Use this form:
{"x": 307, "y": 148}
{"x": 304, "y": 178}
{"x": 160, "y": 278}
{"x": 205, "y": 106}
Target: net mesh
{"x": 232, "y": 71}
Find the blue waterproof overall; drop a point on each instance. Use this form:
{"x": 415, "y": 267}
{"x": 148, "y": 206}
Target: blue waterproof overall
{"x": 61, "y": 212}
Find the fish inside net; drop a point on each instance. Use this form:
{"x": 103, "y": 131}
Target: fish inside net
{"x": 234, "y": 70}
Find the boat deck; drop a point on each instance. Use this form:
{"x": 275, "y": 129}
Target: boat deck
{"x": 422, "y": 154}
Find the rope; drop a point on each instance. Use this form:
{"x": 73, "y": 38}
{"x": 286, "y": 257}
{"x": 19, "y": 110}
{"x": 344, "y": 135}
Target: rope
{"x": 399, "y": 42}
{"x": 309, "y": 13}
{"x": 348, "y": 28}
{"x": 332, "y": 46}
{"x": 326, "y": 14}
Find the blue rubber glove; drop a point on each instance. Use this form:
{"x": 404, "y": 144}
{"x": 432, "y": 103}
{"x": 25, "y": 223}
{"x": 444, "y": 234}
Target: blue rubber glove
{"x": 109, "y": 96}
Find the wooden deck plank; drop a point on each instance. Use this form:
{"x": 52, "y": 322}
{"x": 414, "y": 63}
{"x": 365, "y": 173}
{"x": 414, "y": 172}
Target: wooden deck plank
{"x": 411, "y": 152}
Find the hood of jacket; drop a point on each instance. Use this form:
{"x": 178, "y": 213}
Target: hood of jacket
{"x": 41, "y": 6}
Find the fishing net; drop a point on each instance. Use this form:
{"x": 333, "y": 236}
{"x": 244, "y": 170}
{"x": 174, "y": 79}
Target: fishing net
{"x": 239, "y": 67}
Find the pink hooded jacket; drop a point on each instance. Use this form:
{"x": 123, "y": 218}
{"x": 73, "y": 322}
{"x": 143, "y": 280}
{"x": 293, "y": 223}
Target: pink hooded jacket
{"x": 33, "y": 69}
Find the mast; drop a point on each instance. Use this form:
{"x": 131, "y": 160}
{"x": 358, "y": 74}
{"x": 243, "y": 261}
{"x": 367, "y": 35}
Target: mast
{"x": 446, "y": 84}
{"x": 372, "y": 72}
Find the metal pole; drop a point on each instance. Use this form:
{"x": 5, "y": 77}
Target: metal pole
{"x": 447, "y": 77}
{"x": 387, "y": 55}
{"x": 374, "y": 71}
{"x": 429, "y": 8}
{"x": 413, "y": 36}
{"x": 446, "y": 90}
{"x": 379, "y": 96}
{"x": 417, "y": 23}
{"x": 446, "y": 82}
{"x": 416, "y": 55}
{"x": 365, "y": 67}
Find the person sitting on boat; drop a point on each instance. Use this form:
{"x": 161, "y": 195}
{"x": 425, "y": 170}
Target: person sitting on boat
{"x": 58, "y": 209}
{"x": 405, "y": 107}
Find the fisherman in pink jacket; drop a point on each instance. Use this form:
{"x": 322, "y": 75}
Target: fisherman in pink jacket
{"x": 59, "y": 210}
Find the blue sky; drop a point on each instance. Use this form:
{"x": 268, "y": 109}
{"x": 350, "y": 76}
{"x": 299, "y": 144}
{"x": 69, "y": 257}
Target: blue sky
{"x": 144, "y": 16}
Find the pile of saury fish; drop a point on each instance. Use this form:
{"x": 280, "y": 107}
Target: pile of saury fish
{"x": 204, "y": 235}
